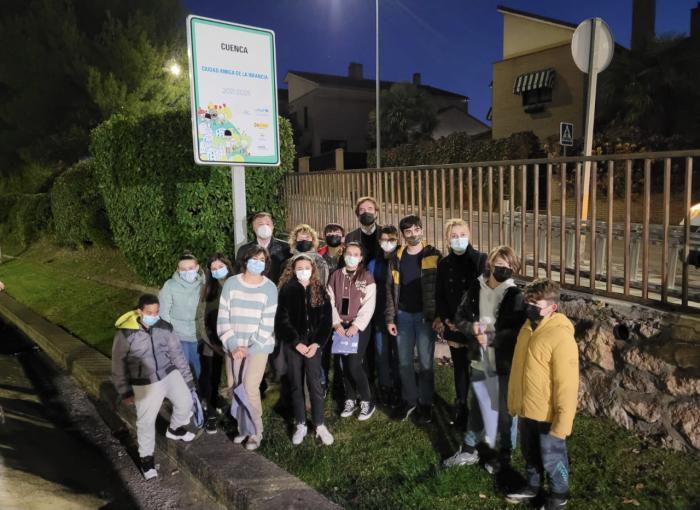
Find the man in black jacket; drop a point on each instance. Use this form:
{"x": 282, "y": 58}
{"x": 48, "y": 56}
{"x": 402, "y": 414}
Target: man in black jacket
{"x": 263, "y": 226}
{"x": 367, "y": 212}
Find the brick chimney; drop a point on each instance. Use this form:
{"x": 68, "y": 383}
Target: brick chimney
{"x": 695, "y": 23}
{"x": 416, "y": 79}
{"x": 643, "y": 22}
{"x": 355, "y": 71}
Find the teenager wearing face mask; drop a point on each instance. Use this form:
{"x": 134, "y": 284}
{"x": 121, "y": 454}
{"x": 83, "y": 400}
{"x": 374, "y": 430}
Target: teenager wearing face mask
{"x": 332, "y": 251}
{"x": 386, "y": 357}
{"x": 410, "y": 311}
{"x": 490, "y": 317}
{"x": 304, "y": 239}
{"x": 217, "y": 271}
{"x": 179, "y": 299}
{"x": 456, "y": 273}
{"x": 263, "y": 227}
{"x": 303, "y": 324}
{"x": 245, "y": 325}
{"x": 353, "y": 296}
{"x": 367, "y": 235}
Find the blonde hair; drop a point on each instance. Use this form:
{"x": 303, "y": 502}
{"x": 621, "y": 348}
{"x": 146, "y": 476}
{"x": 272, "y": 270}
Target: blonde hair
{"x": 303, "y": 229}
{"x": 506, "y": 253}
{"x": 455, "y": 222}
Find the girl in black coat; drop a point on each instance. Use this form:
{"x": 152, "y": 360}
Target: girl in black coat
{"x": 303, "y": 324}
{"x": 490, "y": 317}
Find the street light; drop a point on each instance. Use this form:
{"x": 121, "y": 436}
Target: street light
{"x": 376, "y": 58}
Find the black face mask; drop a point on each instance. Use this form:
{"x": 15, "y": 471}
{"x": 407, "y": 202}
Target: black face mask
{"x": 533, "y": 313}
{"x": 366, "y": 219}
{"x": 333, "y": 240}
{"x": 501, "y": 274}
{"x": 303, "y": 246}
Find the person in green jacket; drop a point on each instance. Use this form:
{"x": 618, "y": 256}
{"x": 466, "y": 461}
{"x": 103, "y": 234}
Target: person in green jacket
{"x": 179, "y": 299}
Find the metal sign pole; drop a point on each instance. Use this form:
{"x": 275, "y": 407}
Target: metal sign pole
{"x": 590, "y": 119}
{"x": 240, "y": 230}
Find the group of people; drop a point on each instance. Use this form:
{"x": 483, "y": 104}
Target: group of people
{"x": 359, "y": 309}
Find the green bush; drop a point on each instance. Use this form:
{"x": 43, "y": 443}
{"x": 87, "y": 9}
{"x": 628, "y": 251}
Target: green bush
{"x": 79, "y": 213}
{"x": 160, "y": 203}
{"x": 24, "y": 217}
{"x": 459, "y": 148}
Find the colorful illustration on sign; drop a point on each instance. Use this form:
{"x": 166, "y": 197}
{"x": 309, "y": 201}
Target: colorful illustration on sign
{"x": 219, "y": 138}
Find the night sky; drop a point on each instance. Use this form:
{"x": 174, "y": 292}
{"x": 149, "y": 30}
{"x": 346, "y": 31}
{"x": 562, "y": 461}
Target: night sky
{"x": 452, "y": 43}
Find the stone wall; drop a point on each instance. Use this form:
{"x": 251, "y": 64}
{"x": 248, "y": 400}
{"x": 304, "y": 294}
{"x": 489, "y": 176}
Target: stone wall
{"x": 640, "y": 367}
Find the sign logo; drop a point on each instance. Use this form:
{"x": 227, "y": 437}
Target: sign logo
{"x": 566, "y": 134}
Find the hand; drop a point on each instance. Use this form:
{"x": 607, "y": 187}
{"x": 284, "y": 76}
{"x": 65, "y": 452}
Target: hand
{"x": 391, "y": 328}
{"x": 481, "y": 338}
{"x": 311, "y": 351}
{"x": 239, "y": 353}
{"x": 352, "y": 331}
{"x": 128, "y": 401}
{"x": 438, "y": 326}
{"x": 340, "y": 330}
{"x": 476, "y": 328}
{"x": 302, "y": 349}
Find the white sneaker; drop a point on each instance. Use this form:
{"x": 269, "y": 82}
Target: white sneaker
{"x": 299, "y": 434}
{"x": 239, "y": 439}
{"x": 349, "y": 409}
{"x": 462, "y": 459}
{"x": 180, "y": 434}
{"x": 253, "y": 443}
{"x": 324, "y": 435}
{"x": 366, "y": 411}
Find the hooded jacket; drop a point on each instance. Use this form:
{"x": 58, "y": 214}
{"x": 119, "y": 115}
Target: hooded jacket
{"x": 143, "y": 356}
{"x": 543, "y": 384}
{"x": 178, "y": 305}
{"x": 428, "y": 269}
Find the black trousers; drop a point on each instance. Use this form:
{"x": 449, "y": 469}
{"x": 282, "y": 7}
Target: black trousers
{"x": 210, "y": 378}
{"x": 354, "y": 375}
{"x": 300, "y": 368}
{"x": 460, "y": 364}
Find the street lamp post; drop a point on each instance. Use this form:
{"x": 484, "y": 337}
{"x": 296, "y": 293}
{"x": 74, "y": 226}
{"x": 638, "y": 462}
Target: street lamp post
{"x": 377, "y": 116}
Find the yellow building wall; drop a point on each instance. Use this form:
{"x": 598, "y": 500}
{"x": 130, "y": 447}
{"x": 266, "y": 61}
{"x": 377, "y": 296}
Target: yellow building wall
{"x": 522, "y": 35}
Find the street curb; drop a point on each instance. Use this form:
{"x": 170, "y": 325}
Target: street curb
{"x": 238, "y": 478}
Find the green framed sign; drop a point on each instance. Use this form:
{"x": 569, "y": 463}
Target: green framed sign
{"x": 233, "y": 85}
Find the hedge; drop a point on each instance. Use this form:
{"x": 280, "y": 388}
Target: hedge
{"x": 24, "y": 217}
{"x": 159, "y": 203}
{"x": 459, "y": 148}
{"x": 79, "y": 213}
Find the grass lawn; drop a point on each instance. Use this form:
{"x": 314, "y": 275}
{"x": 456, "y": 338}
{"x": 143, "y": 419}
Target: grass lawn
{"x": 379, "y": 463}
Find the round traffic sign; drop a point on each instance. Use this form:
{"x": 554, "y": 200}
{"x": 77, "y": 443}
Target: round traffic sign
{"x": 581, "y": 45}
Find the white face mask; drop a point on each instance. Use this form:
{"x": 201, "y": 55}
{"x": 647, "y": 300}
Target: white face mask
{"x": 264, "y": 232}
{"x": 303, "y": 275}
{"x": 388, "y": 246}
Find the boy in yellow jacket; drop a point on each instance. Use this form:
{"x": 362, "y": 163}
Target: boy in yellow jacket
{"x": 543, "y": 391}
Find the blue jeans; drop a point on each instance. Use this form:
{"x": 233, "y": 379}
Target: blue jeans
{"x": 386, "y": 357}
{"x": 192, "y": 357}
{"x": 544, "y": 453}
{"x": 415, "y": 331}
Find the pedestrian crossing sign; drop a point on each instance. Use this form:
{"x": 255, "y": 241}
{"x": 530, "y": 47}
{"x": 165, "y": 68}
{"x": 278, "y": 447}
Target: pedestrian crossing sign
{"x": 566, "y": 134}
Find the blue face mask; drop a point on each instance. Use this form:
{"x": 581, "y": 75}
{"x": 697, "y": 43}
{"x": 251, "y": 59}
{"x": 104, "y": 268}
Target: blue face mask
{"x": 255, "y": 266}
{"x": 150, "y": 320}
{"x": 459, "y": 244}
{"x": 351, "y": 261}
{"x": 188, "y": 276}
{"x": 220, "y": 273}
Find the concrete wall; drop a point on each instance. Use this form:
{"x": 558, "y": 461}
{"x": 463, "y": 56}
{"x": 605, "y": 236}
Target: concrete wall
{"x": 568, "y": 94}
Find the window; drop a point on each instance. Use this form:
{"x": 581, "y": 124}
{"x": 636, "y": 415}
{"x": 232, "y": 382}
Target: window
{"x": 537, "y": 97}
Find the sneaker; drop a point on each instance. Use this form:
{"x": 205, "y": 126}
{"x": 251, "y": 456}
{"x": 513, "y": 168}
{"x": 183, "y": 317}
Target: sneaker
{"x": 253, "y": 443}
{"x": 366, "y": 410}
{"x": 210, "y": 425}
{"x": 324, "y": 435}
{"x": 180, "y": 434}
{"x": 239, "y": 439}
{"x": 404, "y": 412}
{"x": 148, "y": 468}
{"x": 299, "y": 434}
{"x": 349, "y": 409}
{"x": 462, "y": 459}
{"x": 525, "y": 494}
{"x": 554, "y": 503}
